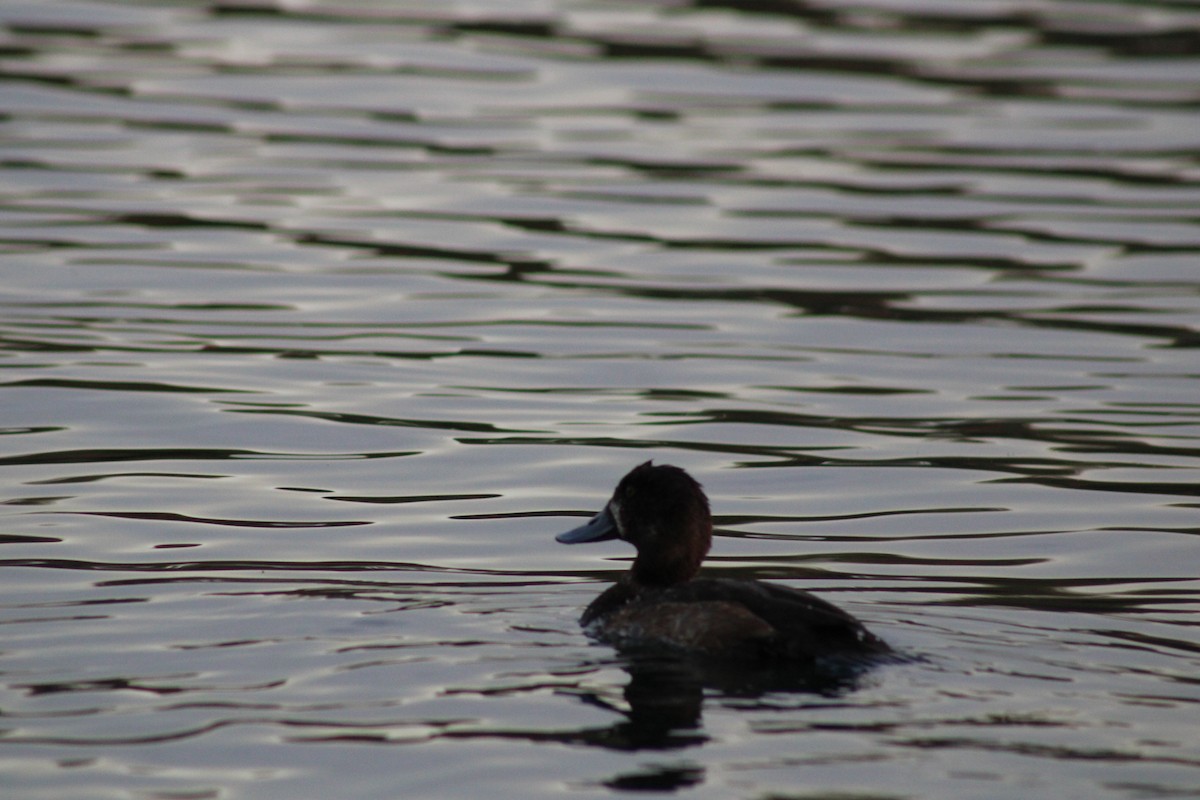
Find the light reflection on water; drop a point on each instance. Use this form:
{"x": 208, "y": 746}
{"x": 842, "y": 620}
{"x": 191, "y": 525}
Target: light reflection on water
{"x": 320, "y": 320}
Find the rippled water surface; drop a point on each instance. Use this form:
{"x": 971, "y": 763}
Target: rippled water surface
{"x": 318, "y": 320}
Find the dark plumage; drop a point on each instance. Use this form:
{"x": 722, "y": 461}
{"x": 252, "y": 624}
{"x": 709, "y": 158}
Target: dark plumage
{"x": 662, "y": 511}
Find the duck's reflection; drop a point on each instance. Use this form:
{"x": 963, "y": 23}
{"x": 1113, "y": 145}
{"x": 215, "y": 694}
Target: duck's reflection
{"x": 665, "y": 695}
{"x": 665, "y": 702}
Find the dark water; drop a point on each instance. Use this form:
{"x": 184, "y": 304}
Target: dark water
{"x": 320, "y": 319}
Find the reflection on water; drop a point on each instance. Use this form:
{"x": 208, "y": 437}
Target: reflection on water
{"x": 319, "y": 319}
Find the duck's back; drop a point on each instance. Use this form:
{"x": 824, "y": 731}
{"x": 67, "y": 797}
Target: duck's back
{"x": 730, "y": 618}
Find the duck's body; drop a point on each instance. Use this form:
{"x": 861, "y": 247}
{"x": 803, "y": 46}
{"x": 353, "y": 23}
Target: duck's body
{"x": 663, "y": 512}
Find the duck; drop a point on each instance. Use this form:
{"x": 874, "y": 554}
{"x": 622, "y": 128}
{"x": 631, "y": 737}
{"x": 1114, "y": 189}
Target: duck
{"x": 660, "y": 602}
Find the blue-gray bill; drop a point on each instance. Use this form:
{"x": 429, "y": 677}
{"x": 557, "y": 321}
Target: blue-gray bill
{"x": 597, "y": 529}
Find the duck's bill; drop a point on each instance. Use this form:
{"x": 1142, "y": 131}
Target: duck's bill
{"x": 597, "y": 529}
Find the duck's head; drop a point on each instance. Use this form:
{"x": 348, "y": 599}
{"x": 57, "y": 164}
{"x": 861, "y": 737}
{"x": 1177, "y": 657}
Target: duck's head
{"x": 661, "y": 511}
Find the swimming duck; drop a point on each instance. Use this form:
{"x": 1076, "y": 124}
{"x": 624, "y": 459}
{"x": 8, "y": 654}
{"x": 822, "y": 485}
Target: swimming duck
{"x": 663, "y": 512}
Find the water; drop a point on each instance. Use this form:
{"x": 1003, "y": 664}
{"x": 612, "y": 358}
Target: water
{"x": 320, "y": 319}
